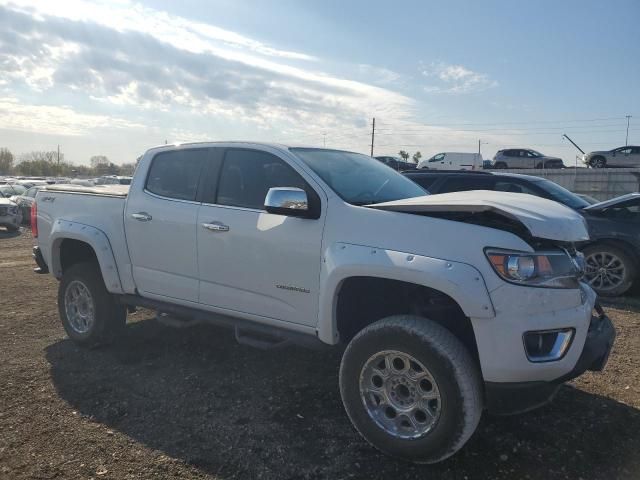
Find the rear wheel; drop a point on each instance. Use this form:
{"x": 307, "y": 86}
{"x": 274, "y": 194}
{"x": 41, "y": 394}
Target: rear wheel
{"x": 89, "y": 313}
{"x": 411, "y": 388}
{"x": 500, "y": 165}
{"x": 608, "y": 269}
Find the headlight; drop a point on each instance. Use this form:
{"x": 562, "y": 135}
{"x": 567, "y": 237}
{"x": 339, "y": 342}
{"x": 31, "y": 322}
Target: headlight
{"x": 540, "y": 269}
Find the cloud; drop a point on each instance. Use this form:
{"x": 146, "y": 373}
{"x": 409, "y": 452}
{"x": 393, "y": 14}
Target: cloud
{"x": 455, "y": 79}
{"x": 63, "y": 120}
{"x": 131, "y": 57}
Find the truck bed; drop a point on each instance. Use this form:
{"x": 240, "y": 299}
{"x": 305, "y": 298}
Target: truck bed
{"x": 108, "y": 190}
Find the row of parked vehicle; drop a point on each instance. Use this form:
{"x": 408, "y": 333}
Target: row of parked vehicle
{"x": 516, "y": 158}
{"x": 17, "y": 195}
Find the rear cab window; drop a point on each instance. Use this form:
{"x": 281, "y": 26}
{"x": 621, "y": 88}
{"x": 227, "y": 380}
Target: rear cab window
{"x": 176, "y": 174}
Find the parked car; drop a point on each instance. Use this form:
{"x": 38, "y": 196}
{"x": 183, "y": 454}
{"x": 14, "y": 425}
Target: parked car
{"x": 10, "y": 216}
{"x": 9, "y": 190}
{"x": 85, "y": 182}
{"x": 396, "y": 163}
{"x": 627, "y": 156}
{"x": 113, "y": 180}
{"x": 612, "y": 256}
{"x": 25, "y": 201}
{"x": 447, "y": 304}
{"x": 452, "y": 161}
{"x": 524, "y": 158}
{"x": 613, "y": 249}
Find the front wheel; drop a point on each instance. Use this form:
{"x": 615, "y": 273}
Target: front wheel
{"x": 411, "y": 388}
{"x": 598, "y": 162}
{"x": 89, "y": 313}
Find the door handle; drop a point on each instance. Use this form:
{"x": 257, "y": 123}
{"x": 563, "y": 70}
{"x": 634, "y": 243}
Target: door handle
{"x": 141, "y": 216}
{"x": 216, "y": 227}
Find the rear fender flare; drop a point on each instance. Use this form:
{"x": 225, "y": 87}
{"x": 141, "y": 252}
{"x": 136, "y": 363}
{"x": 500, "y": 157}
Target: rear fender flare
{"x": 96, "y": 239}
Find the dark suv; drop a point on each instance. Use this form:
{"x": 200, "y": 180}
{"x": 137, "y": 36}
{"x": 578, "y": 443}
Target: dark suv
{"x": 454, "y": 181}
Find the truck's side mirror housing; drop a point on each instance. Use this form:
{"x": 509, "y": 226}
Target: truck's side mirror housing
{"x": 289, "y": 201}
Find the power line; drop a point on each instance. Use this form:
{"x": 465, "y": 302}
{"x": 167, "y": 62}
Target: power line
{"x": 528, "y": 122}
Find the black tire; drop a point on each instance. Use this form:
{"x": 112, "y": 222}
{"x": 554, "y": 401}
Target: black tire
{"x": 500, "y": 165}
{"x": 109, "y": 317}
{"x": 452, "y": 368}
{"x": 598, "y": 162}
{"x": 627, "y": 273}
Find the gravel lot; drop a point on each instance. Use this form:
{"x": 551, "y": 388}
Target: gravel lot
{"x": 191, "y": 403}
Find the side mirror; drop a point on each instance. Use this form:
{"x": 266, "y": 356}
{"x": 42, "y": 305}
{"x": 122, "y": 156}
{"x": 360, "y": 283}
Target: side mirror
{"x": 288, "y": 201}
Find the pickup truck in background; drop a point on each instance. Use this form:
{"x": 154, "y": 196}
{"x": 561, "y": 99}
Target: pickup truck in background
{"x": 447, "y": 304}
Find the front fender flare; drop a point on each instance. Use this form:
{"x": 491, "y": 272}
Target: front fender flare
{"x": 96, "y": 239}
{"x": 462, "y": 282}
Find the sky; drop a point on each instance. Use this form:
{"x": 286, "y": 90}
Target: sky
{"x": 117, "y": 77}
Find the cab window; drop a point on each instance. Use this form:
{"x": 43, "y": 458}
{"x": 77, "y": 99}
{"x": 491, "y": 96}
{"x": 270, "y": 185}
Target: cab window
{"x": 176, "y": 174}
{"x": 247, "y": 175}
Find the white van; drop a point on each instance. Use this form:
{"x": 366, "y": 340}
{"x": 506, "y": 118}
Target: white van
{"x": 453, "y": 161}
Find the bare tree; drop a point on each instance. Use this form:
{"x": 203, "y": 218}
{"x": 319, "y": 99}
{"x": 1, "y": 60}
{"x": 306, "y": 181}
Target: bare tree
{"x": 404, "y": 155}
{"x": 42, "y": 156}
{"x": 6, "y": 160}
{"x": 417, "y": 156}
{"x": 98, "y": 161}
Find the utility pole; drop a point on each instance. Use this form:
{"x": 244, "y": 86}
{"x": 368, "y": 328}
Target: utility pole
{"x": 373, "y": 134}
{"x": 480, "y": 142}
{"x": 324, "y": 139}
{"x": 58, "y": 167}
{"x": 626, "y": 142}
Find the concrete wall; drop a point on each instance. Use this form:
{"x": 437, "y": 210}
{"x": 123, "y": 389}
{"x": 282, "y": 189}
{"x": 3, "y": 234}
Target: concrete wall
{"x": 600, "y": 183}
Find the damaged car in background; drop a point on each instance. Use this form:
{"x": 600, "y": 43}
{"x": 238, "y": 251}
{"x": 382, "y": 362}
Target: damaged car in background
{"x": 10, "y": 215}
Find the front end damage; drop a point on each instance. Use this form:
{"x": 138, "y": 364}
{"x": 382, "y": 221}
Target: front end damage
{"x": 547, "y": 328}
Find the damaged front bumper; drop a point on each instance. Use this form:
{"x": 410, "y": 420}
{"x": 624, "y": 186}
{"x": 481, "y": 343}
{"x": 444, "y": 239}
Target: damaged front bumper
{"x": 516, "y": 397}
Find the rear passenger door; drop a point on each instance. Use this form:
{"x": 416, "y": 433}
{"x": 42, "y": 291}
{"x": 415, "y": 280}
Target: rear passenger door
{"x": 160, "y": 224}
{"x": 253, "y": 262}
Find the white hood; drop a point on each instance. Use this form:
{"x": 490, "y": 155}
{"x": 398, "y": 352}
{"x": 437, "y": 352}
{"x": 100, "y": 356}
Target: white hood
{"x": 543, "y": 218}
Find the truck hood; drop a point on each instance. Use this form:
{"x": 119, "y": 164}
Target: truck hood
{"x": 541, "y": 217}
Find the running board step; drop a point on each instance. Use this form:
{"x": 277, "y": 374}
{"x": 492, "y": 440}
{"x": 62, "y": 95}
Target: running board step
{"x": 174, "y": 321}
{"x": 259, "y": 339}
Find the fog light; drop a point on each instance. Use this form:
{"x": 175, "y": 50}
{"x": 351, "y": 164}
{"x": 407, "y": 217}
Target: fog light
{"x": 547, "y": 345}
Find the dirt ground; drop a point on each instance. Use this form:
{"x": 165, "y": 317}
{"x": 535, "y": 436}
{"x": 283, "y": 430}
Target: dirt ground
{"x": 191, "y": 403}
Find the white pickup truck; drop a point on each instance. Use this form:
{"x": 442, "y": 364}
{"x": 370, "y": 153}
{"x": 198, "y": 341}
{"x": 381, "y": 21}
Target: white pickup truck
{"x": 447, "y": 304}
